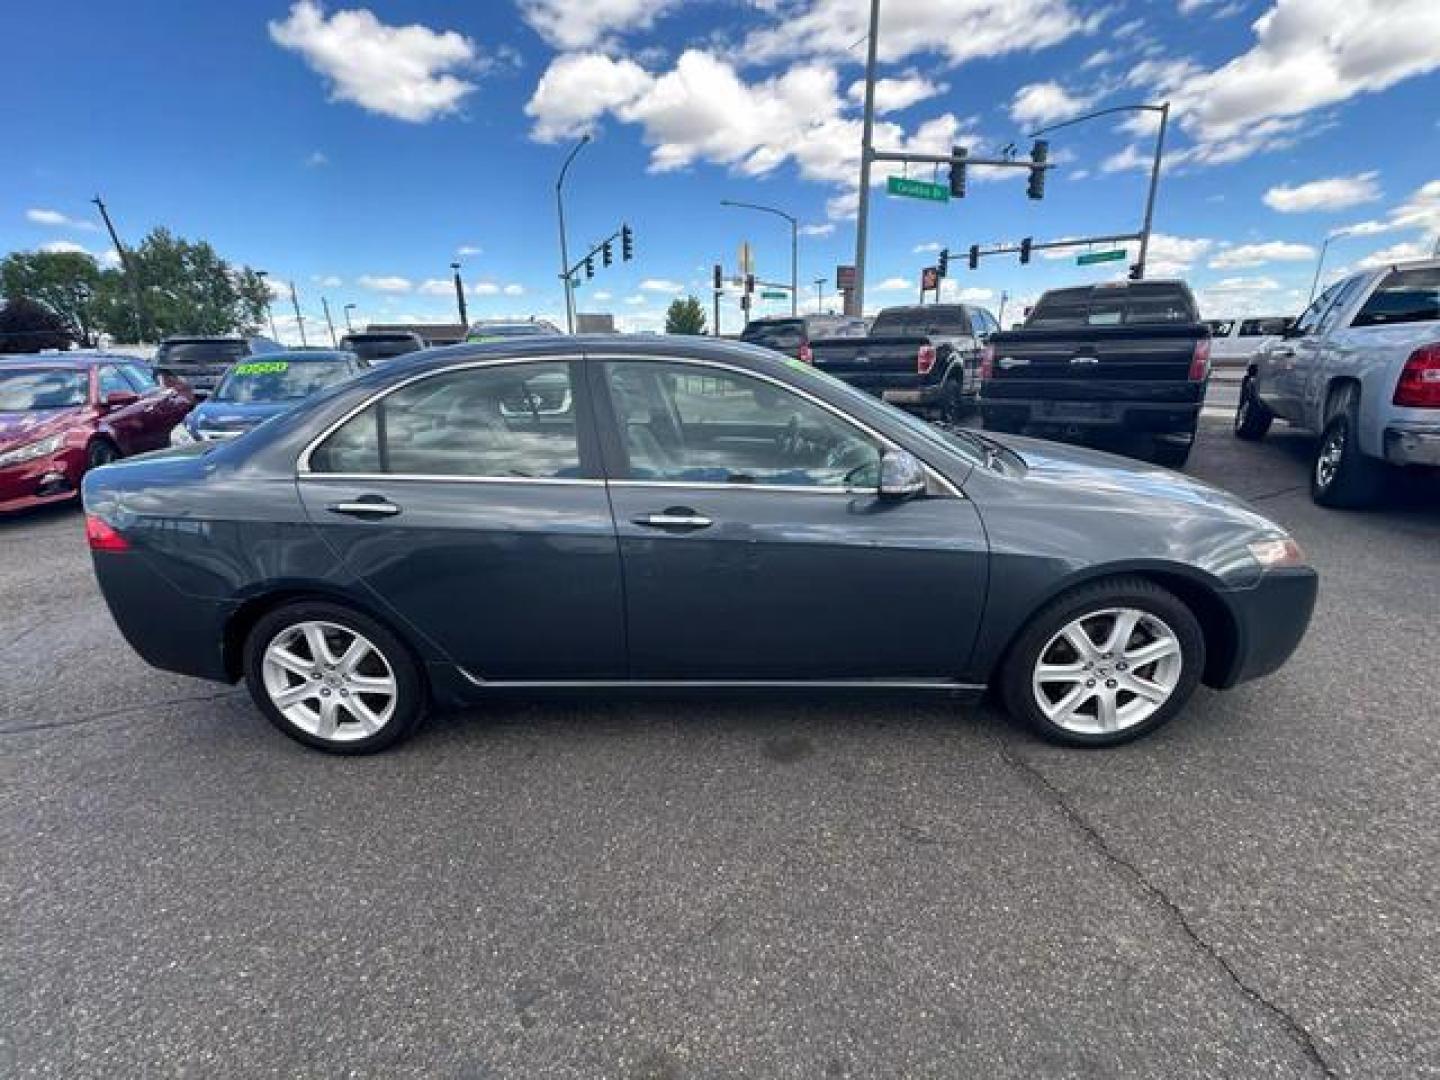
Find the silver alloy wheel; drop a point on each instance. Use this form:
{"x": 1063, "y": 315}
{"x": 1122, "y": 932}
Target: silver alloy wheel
{"x": 1332, "y": 453}
{"x": 329, "y": 681}
{"x": 1107, "y": 671}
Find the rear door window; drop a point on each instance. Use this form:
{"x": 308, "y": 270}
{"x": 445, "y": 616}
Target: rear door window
{"x": 1403, "y": 296}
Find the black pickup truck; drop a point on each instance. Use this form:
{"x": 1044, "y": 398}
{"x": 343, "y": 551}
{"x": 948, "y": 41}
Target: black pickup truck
{"x": 921, "y": 357}
{"x": 1121, "y": 359}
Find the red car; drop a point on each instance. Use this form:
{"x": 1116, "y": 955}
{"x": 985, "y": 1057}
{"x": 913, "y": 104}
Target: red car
{"x": 61, "y": 415}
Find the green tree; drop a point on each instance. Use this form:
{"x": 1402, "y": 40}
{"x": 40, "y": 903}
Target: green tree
{"x": 685, "y": 317}
{"x": 27, "y": 326}
{"x": 65, "y": 282}
{"x": 185, "y": 287}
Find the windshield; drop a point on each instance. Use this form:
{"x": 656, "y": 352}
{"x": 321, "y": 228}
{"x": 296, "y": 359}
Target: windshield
{"x": 780, "y": 335}
{"x": 279, "y": 380}
{"x": 35, "y": 389}
{"x": 491, "y": 331}
{"x": 919, "y": 322}
{"x": 201, "y": 352}
{"x": 380, "y": 348}
{"x": 1107, "y": 306}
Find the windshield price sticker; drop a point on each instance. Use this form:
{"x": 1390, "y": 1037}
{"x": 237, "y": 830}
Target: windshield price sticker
{"x": 263, "y": 367}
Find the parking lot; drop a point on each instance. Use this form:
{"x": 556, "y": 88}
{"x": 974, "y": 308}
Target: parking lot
{"x": 667, "y": 887}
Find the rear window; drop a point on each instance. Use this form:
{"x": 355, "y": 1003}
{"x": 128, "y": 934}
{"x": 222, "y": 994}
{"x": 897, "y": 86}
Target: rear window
{"x": 1263, "y": 327}
{"x": 1403, "y": 296}
{"x": 180, "y": 353}
{"x": 1158, "y": 304}
{"x": 781, "y": 336}
{"x": 936, "y": 321}
{"x": 380, "y": 348}
{"x": 38, "y": 389}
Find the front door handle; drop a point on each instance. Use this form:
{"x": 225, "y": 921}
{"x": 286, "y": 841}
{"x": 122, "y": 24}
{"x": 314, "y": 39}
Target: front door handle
{"x": 364, "y": 508}
{"x": 674, "y": 519}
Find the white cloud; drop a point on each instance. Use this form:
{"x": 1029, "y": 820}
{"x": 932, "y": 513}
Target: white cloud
{"x": 661, "y": 285}
{"x": 637, "y": 298}
{"x": 63, "y": 247}
{"x": 577, "y": 89}
{"x": 514, "y": 290}
{"x": 55, "y": 217}
{"x": 386, "y": 283}
{"x": 959, "y": 30}
{"x": 1244, "y": 284}
{"x": 1401, "y": 252}
{"x": 327, "y": 281}
{"x": 1334, "y": 193}
{"x": 954, "y": 292}
{"x": 469, "y": 249}
{"x": 895, "y": 284}
{"x": 436, "y": 287}
{"x": 1172, "y": 256}
{"x": 316, "y": 159}
{"x": 923, "y": 249}
{"x": 485, "y": 288}
{"x": 109, "y": 257}
{"x": 406, "y": 72}
{"x": 1244, "y": 256}
{"x": 1042, "y": 102}
{"x": 892, "y": 95}
{"x": 824, "y": 228}
{"x": 583, "y": 24}
{"x": 602, "y": 296}
{"x": 1420, "y": 211}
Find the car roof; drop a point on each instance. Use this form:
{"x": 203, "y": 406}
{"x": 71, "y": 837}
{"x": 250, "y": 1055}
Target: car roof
{"x": 300, "y": 355}
{"x": 580, "y": 347}
{"x": 72, "y": 360}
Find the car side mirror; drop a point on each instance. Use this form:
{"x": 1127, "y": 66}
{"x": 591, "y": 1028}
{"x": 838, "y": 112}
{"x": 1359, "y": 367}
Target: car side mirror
{"x": 118, "y": 399}
{"x": 901, "y": 476}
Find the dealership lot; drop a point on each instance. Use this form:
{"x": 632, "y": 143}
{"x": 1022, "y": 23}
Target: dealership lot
{"x": 666, "y": 887}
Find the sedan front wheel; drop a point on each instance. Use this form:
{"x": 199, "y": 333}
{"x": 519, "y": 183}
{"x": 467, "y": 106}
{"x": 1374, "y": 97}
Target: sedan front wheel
{"x": 1105, "y": 664}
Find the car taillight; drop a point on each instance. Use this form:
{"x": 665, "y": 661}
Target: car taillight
{"x": 987, "y": 362}
{"x": 1419, "y": 385}
{"x": 102, "y": 536}
{"x": 925, "y": 359}
{"x": 1200, "y": 360}
{"x": 806, "y": 355}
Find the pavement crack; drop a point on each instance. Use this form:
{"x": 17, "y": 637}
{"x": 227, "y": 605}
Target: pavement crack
{"x": 1276, "y": 493}
{"x": 111, "y": 714}
{"x": 1293, "y": 1027}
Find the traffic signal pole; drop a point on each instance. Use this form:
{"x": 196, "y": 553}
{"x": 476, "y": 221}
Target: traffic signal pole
{"x": 1150, "y": 198}
{"x": 855, "y": 299}
{"x": 564, "y": 249}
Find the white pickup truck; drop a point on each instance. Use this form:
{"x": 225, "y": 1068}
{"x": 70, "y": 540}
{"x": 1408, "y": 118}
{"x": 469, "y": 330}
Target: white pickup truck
{"x": 1361, "y": 368}
{"x": 1235, "y": 342}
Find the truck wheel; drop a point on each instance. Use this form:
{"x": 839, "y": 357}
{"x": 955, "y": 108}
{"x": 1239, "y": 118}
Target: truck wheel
{"x": 1252, "y": 416}
{"x": 1173, "y": 451}
{"x": 1343, "y": 478}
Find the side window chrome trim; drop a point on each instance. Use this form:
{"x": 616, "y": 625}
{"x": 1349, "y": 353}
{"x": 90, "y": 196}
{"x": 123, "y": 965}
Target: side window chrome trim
{"x": 302, "y": 463}
{"x": 883, "y": 439}
{"x": 578, "y": 481}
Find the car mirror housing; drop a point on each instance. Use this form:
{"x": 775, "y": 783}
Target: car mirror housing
{"x": 901, "y": 476}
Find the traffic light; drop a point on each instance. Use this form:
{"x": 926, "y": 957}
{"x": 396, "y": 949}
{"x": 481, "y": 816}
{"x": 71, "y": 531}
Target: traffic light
{"x": 957, "y": 172}
{"x": 942, "y": 264}
{"x": 607, "y": 256}
{"x": 627, "y": 243}
{"x": 589, "y": 266}
{"x": 1024, "y": 251}
{"x": 719, "y": 277}
{"x": 974, "y": 256}
{"x": 1137, "y": 272}
{"x": 749, "y": 284}
{"x": 1039, "y": 154}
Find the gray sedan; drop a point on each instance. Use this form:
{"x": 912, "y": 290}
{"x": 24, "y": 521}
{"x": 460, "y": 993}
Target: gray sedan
{"x": 607, "y": 512}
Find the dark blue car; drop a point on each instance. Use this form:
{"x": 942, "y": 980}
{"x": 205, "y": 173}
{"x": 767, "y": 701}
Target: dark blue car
{"x": 260, "y": 387}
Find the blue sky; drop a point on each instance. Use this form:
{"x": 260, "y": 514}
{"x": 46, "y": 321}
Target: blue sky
{"x": 355, "y": 149}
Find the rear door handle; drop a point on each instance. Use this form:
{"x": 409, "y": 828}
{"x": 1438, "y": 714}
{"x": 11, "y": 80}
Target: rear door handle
{"x": 674, "y": 519}
{"x": 365, "y": 508}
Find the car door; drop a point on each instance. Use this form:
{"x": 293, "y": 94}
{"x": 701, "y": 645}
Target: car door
{"x": 126, "y": 424}
{"x": 163, "y": 406}
{"x": 1314, "y": 364}
{"x": 746, "y": 557}
{"x": 470, "y": 504}
{"x": 1276, "y": 380}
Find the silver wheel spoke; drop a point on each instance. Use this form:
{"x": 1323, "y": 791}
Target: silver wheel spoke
{"x": 1080, "y": 641}
{"x": 1152, "y": 651}
{"x": 290, "y": 662}
{"x": 326, "y": 703}
{"x": 1067, "y": 705}
{"x": 370, "y": 684}
{"x": 359, "y": 649}
{"x": 293, "y": 696}
{"x": 326, "y": 727}
{"x": 1060, "y": 673}
{"x": 1144, "y": 688}
{"x": 1121, "y": 632}
{"x": 1105, "y": 710}
{"x": 315, "y": 638}
{"x": 367, "y": 716}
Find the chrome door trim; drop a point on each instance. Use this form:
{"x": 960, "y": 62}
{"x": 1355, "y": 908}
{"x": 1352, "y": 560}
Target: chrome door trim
{"x": 714, "y": 485}
{"x": 739, "y": 684}
{"x": 381, "y": 478}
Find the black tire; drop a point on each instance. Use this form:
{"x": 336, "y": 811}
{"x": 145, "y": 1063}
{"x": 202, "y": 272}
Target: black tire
{"x": 1173, "y": 451}
{"x": 101, "y": 452}
{"x": 1140, "y": 594}
{"x": 1341, "y": 477}
{"x": 411, "y": 699}
{"x": 1252, "y": 416}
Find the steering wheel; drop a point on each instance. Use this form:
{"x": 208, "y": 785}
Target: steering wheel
{"x": 849, "y": 455}
{"x": 791, "y": 440}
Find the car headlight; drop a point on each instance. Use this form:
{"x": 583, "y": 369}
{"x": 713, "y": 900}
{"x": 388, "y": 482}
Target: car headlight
{"x": 180, "y": 436}
{"x": 33, "y": 450}
{"x": 1277, "y": 551}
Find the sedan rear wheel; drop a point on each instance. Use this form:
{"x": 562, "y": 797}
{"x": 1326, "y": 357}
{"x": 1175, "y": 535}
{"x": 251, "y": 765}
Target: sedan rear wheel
{"x": 1105, "y": 664}
{"x": 333, "y": 678}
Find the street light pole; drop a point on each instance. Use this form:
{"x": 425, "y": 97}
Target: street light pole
{"x": 299, "y": 319}
{"x": 564, "y": 246}
{"x": 325, "y": 303}
{"x": 348, "y": 328}
{"x": 269, "y": 311}
{"x": 794, "y": 246}
{"x": 460, "y": 298}
{"x": 131, "y": 276}
{"x": 819, "y": 296}
{"x": 855, "y": 304}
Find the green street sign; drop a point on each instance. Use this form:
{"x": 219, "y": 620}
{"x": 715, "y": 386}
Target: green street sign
{"x": 772, "y": 295}
{"x": 917, "y": 189}
{"x": 1090, "y": 258}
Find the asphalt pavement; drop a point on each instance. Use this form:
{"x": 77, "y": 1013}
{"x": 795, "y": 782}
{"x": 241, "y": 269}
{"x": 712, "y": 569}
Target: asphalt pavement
{"x": 677, "y": 887}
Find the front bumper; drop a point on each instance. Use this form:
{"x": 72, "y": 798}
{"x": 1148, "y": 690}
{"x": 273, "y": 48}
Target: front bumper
{"x": 1413, "y": 444}
{"x": 50, "y": 479}
{"x": 1270, "y": 619}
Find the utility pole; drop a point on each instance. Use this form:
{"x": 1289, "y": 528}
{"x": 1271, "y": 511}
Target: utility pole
{"x": 1150, "y": 198}
{"x": 299, "y": 319}
{"x": 269, "y": 311}
{"x": 564, "y": 249}
{"x": 460, "y": 298}
{"x": 855, "y": 304}
{"x": 348, "y": 328}
{"x": 129, "y": 266}
{"x": 819, "y": 296}
{"x": 334, "y": 344}
{"x": 1000, "y": 318}
{"x": 794, "y": 246}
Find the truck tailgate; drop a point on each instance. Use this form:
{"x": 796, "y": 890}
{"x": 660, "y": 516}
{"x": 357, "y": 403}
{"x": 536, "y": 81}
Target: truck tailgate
{"x": 867, "y": 355}
{"x": 1099, "y": 362}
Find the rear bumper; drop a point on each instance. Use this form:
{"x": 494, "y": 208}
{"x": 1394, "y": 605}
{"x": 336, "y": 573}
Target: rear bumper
{"x": 1413, "y": 444}
{"x": 1270, "y": 620}
{"x": 899, "y": 388}
{"x": 169, "y": 629}
{"x": 1043, "y": 416}
{"x": 912, "y": 398}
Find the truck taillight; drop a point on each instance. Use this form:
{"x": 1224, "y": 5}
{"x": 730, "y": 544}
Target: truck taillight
{"x": 925, "y": 359}
{"x": 807, "y": 356}
{"x": 987, "y": 362}
{"x": 102, "y": 536}
{"x": 1200, "y": 361}
{"x": 1419, "y": 385}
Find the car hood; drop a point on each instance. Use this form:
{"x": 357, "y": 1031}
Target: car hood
{"x": 237, "y": 416}
{"x": 1080, "y": 476}
{"x": 20, "y": 428}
